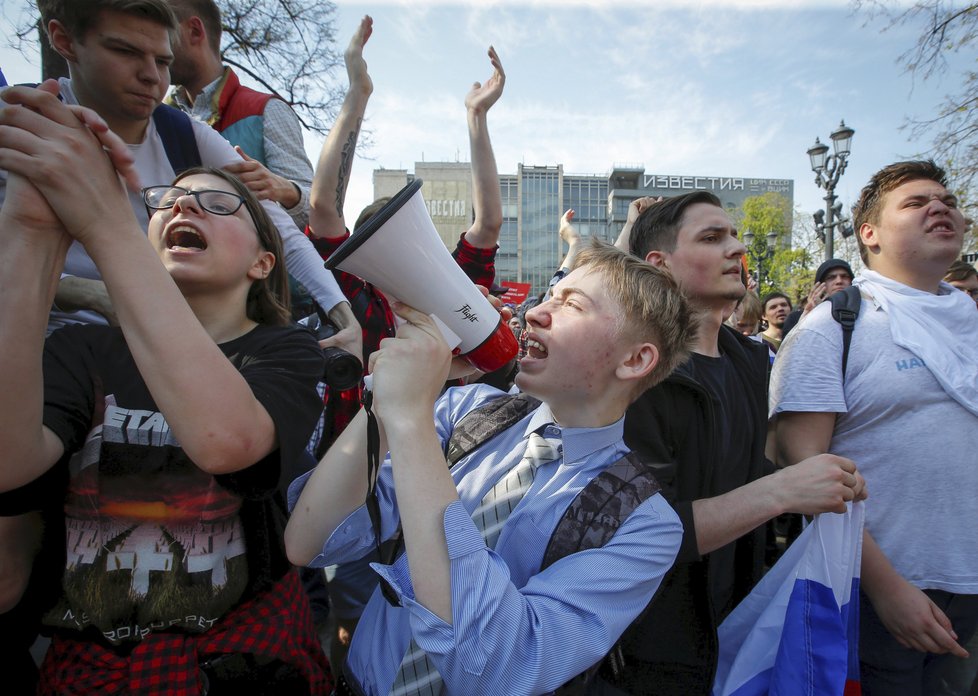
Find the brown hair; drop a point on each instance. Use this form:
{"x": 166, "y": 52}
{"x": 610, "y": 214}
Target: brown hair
{"x": 369, "y": 211}
{"x": 268, "y": 299}
{"x": 870, "y": 204}
{"x": 209, "y": 14}
{"x": 78, "y": 16}
{"x": 653, "y": 309}
{"x": 960, "y": 271}
{"x": 657, "y": 228}
{"x": 750, "y": 309}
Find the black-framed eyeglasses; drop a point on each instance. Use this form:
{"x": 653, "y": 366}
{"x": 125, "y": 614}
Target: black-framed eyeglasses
{"x": 212, "y": 200}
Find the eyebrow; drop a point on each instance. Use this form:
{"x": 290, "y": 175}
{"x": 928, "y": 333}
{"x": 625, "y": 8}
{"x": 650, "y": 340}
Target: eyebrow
{"x": 118, "y": 42}
{"x": 565, "y": 291}
{"x": 946, "y": 198}
{"x": 718, "y": 228}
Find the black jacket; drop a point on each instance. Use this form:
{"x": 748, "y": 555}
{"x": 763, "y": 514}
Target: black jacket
{"x": 676, "y": 422}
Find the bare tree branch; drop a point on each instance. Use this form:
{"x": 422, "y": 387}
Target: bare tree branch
{"x": 946, "y": 29}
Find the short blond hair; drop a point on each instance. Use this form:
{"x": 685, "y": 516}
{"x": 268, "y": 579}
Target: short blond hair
{"x": 653, "y": 309}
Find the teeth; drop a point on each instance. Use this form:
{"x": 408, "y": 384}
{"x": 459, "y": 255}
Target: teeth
{"x": 175, "y": 234}
{"x": 530, "y": 343}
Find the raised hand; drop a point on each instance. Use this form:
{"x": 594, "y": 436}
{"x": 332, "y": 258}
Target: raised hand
{"x": 567, "y": 230}
{"x": 49, "y": 143}
{"x": 356, "y": 66}
{"x": 482, "y": 96}
{"x": 410, "y": 369}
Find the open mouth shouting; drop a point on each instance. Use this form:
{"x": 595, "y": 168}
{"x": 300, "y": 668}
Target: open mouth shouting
{"x": 534, "y": 348}
{"x": 184, "y": 238}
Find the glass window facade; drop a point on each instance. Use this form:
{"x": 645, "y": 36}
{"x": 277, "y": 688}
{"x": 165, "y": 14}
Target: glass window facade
{"x": 507, "y": 256}
{"x": 540, "y": 211}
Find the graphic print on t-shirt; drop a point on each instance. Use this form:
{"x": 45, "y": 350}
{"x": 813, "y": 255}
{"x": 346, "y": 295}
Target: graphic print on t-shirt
{"x": 153, "y": 545}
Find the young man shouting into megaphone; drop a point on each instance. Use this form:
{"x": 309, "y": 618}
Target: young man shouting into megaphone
{"x": 487, "y": 596}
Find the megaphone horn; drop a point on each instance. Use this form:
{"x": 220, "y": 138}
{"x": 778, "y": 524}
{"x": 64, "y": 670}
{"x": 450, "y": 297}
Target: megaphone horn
{"x": 399, "y": 251}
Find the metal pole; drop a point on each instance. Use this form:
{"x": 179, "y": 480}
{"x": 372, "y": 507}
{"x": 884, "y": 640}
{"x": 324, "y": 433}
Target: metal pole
{"x": 829, "y": 222}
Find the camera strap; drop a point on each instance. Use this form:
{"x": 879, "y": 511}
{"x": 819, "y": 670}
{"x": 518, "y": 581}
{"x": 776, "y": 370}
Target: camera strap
{"x": 373, "y": 505}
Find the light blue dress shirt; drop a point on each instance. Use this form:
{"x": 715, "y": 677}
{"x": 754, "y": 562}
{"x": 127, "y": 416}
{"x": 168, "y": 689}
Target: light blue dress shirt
{"x": 516, "y": 629}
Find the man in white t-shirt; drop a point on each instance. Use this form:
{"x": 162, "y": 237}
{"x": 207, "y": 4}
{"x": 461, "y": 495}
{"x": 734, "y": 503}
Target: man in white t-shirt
{"x": 906, "y": 411}
{"x": 118, "y": 56}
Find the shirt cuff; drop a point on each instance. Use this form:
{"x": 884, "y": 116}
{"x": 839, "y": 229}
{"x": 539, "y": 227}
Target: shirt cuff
{"x": 478, "y": 264}
{"x": 326, "y": 245}
{"x": 463, "y": 539}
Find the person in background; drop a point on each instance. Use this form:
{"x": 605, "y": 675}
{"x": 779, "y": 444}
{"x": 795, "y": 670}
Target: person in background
{"x": 832, "y": 276}
{"x": 775, "y": 307}
{"x": 964, "y": 277}
{"x": 263, "y": 129}
{"x": 746, "y": 317}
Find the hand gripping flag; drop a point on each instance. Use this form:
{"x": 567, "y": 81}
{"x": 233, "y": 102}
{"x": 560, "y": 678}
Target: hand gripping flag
{"x": 797, "y": 633}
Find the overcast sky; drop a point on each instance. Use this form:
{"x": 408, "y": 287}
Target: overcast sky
{"x": 734, "y": 88}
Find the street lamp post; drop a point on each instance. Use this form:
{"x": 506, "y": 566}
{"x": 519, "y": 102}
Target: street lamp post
{"x": 828, "y": 169}
{"x": 762, "y": 256}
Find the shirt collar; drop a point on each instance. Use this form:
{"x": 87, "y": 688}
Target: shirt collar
{"x": 578, "y": 443}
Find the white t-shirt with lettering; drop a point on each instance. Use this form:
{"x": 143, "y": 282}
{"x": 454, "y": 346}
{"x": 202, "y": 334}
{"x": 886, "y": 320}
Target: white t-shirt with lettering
{"x": 916, "y": 446}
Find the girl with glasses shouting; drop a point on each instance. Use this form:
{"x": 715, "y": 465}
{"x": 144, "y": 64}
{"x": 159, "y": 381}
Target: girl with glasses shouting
{"x": 156, "y": 446}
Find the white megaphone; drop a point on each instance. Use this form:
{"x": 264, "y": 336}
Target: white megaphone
{"x": 399, "y": 251}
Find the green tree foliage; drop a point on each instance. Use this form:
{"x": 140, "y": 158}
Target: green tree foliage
{"x": 287, "y": 46}
{"x": 785, "y": 267}
{"x": 947, "y": 28}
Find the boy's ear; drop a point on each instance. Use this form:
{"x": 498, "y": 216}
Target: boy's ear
{"x": 639, "y": 362}
{"x": 195, "y": 34}
{"x": 61, "y": 41}
{"x": 867, "y": 233}
{"x": 657, "y": 258}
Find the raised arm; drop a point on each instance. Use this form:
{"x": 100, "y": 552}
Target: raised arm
{"x": 572, "y": 237}
{"x": 486, "y": 198}
{"x": 328, "y": 193}
{"x": 569, "y": 234}
{"x": 33, "y": 245}
{"x": 635, "y": 208}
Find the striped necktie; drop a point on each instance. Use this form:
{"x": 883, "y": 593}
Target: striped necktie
{"x": 417, "y": 675}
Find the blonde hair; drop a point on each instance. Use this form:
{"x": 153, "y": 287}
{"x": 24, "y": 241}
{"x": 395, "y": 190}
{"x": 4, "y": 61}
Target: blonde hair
{"x": 653, "y": 309}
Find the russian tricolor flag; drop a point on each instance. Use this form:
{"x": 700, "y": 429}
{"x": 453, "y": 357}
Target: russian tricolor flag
{"x": 797, "y": 633}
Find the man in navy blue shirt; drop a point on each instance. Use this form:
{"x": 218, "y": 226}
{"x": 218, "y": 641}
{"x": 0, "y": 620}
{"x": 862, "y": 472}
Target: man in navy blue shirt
{"x": 476, "y": 605}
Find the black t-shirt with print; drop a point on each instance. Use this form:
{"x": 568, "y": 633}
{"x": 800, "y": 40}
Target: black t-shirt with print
{"x": 154, "y": 542}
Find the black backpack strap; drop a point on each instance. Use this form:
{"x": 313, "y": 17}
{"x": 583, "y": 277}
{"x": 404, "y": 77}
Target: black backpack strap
{"x": 845, "y": 310}
{"x": 486, "y": 422}
{"x": 177, "y": 134}
{"x": 601, "y": 507}
{"x": 592, "y": 518}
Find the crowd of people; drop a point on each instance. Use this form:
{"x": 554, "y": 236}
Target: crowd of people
{"x": 178, "y": 466}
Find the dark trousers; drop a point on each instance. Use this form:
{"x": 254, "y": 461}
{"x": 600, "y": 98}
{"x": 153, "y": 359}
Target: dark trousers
{"x": 889, "y": 669}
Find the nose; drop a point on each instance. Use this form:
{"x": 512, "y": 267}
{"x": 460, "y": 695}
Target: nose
{"x": 187, "y": 201}
{"x": 150, "y": 71}
{"x": 737, "y": 248}
{"x": 538, "y": 315}
{"x": 936, "y": 205}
